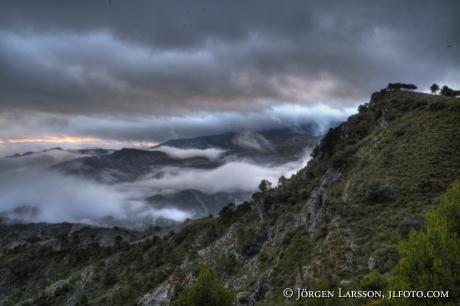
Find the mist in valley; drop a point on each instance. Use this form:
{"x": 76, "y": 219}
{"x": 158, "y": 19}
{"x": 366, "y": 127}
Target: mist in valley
{"x": 32, "y": 191}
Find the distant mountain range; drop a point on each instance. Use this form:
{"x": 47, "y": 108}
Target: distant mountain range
{"x": 271, "y": 148}
{"x": 81, "y": 151}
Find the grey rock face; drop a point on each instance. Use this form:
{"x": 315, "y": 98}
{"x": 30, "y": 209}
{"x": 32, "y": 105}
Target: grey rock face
{"x": 157, "y": 298}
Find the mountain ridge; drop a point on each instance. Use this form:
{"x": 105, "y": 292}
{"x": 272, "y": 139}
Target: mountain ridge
{"x": 225, "y": 141}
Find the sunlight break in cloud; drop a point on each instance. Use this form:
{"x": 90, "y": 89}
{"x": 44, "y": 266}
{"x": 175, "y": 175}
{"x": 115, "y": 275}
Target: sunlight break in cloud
{"x": 51, "y": 139}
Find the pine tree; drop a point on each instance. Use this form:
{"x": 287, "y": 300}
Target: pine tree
{"x": 299, "y": 252}
{"x": 207, "y": 291}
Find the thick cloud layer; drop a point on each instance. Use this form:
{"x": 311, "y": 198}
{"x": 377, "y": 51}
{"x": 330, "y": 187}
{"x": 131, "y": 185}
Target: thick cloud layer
{"x": 166, "y": 58}
{"x": 145, "y": 71}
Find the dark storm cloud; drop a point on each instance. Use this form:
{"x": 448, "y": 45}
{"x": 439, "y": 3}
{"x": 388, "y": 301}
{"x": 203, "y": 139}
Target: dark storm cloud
{"x": 173, "y": 58}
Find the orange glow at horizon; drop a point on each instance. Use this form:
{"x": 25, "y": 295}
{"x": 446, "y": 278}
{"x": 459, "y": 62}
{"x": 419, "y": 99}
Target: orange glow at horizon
{"x": 56, "y": 140}
{"x": 79, "y": 140}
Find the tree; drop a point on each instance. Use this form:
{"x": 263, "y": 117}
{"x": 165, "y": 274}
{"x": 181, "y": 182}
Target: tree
{"x": 118, "y": 241}
{"x": 399, "y": 86}
{"x": 299, "y": 252}
{"x": 434, "y": 88}
{"x": 207, "y": 291}
{"x": 282, "y": 181}
{"x": 227, "y": 211}
{"x": 446, "y": 91}
{"x": 264, "y": 186}
{"x": 430, "y": 260}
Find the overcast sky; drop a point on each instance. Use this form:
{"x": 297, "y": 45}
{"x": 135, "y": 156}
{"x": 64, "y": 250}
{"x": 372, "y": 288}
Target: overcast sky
{"x": 129, "y": 73}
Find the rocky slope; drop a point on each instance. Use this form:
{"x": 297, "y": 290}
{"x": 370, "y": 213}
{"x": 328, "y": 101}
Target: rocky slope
{"x": 369, "y": 183}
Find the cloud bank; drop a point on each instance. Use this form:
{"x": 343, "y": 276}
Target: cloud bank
{"x": 232, "y": 176}
{"x": 49, "y": 197}
{"x": 29, "y": 192}
{"x": 211, "y": 154}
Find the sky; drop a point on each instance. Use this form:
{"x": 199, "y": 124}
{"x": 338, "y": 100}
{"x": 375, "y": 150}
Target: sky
{"x": 115, "y": 74}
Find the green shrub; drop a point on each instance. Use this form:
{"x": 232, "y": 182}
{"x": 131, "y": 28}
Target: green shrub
{"x": 410, "y": 223}
{"x": 435, "y": 106}
{"x": 374, "y": 281}
{"x": 418, "y": 104}
{"x": 386, "y": 258}
{"x": 374, "y": 191}
{"x": 109, "y": 277}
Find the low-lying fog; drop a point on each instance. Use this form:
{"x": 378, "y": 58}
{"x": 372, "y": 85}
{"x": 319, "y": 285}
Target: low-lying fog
{"x": 30, "y": 192}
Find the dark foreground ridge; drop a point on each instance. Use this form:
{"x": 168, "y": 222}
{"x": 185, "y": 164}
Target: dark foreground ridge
{"x": 344, "y": 221}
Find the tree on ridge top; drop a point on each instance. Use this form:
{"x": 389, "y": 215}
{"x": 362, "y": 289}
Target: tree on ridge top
{"x": 434, "y": 88}
{"x": 399, "y": 86}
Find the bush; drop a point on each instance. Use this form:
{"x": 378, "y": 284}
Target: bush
{"x": 435, "y": 106}
{"x": 375, "y": 192}
{"x": 363, "y": 108}
{"x": 386, "y": 258}
{"x": 418, "y": 104}
{"x": 228, "y": 263}
{"x": 250, "y": 242}
{"x": 410, "y": 223}
{"x": 109, "y": 277}
{"x": 374, "y": 281}
{"x": 83, "y": 301}
{"x": 399, "y": 132}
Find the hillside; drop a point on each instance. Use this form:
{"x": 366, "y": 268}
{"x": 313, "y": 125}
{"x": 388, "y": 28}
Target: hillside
{"x": 337, "y": 223}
